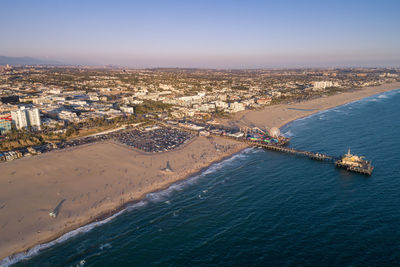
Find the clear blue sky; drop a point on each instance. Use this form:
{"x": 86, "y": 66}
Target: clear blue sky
{"x": 231, "y": 34}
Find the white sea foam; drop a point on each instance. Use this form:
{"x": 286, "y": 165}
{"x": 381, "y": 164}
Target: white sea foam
{"x": 288, "y": 133}
{"x": 81, "y": 263}
{"x": 252, "y": 150}
{"x": 162, "y": 195}
{"x": 379, "y": 97}
{"x": 216, "y": 166}
{"x": 35, "y": 250}
{"x": 105, "y": 246}
{"x": 151, "y": 197}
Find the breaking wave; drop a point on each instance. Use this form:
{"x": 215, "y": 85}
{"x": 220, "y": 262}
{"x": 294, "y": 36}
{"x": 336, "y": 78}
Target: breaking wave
{"x": 340, "y": 109}
{"x": 379, "y": 97}
{"x": 162, "y": 195}
{"x": 383, "y": 96}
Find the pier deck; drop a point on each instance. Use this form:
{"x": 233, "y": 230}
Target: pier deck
{"x": 367, "y": 169}
{"x": 312, "y": 155}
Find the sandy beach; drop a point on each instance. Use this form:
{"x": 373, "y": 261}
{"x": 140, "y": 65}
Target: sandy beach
{"x": 94, "y": 180}
{"x": 97, "y": 179}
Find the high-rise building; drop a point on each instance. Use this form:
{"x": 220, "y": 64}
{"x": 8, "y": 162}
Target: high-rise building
{"x": 34, "y": 118}
{"x": 19, "y": 118}
{"x": 24, "y": 118}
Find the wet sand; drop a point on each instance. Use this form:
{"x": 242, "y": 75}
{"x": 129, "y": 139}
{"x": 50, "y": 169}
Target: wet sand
{"x": 96, "y": 180}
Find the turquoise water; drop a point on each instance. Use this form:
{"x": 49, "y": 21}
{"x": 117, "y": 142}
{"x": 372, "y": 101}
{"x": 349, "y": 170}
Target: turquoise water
{"x": 266, "y": 208}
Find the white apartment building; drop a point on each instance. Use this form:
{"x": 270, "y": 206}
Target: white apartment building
{"x": 165, "y": 86}
{"x": 221, "y": 104}
{"x": 41, "y": 101}
{"x": 127, "y": 109}
{"x": 55, "y": 91}
{"x": 323, "y": 84}
{"x": 20, "y": 118}
{"x": 389, "y": 75}
{"x": 236, "y": 107}
{"x": 205, "y": 107}
{"x": 68, "y": 116}
{"x": 26, "y": 117}
{"x": 34, "y": 118}
{"x": 187, "y": 101}
{"x": 93, "y": 96}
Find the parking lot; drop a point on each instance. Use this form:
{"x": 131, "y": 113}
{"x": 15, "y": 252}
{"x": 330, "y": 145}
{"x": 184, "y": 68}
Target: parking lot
{"x": 158, "y": 140}
{"x": 84, "y": 140}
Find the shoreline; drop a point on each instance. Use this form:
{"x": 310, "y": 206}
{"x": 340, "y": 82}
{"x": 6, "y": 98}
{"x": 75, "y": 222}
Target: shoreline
{"x": 392, "y": 88}
{"x": 107, "y": 215}
{"x": 196, "y": 170}
{"x": 282, "y": 114}
{"x": 117, "y": 206}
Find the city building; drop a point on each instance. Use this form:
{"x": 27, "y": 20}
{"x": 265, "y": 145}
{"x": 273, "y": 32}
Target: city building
{"x": 388, "y": 75}
{"x": 34, "y": 118}
{"x": 236, "y": 107}
{"x": 323, "y": 84}
{"x": 68, "y": 116}
{"x": 264, "y": 100}
{"x": 5, "y": 123}
{"x": 127, "y": 109}
{"x": 26, "y": 117}
{"x": 20, "y": 119}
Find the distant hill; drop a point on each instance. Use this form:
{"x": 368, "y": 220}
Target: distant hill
{"x": 25, "y": 61}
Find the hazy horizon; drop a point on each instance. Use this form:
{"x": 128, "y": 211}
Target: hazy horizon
{"x": 209, "y": 34}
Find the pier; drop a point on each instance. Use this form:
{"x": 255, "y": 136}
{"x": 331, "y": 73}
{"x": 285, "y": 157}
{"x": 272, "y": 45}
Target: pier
{"x": 359, "y": 166}
{"x": 311, "y": 155}
{"x": 272, "y": 140}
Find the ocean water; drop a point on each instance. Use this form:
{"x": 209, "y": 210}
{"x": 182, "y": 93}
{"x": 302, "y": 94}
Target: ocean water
{"x": 264, "y": 208}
